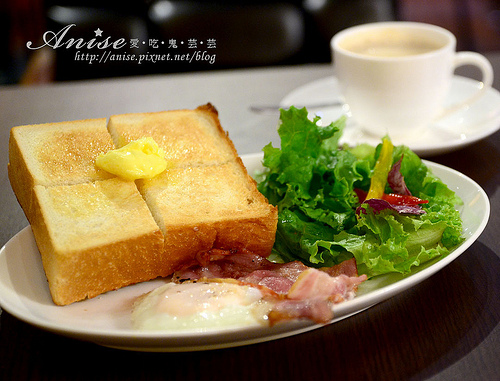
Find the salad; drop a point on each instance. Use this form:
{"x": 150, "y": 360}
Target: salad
{"x": 381, "y": 205}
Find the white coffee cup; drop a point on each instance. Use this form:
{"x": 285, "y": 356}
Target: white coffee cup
{"x": 395, "y": 76}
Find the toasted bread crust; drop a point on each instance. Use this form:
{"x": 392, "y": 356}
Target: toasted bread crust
{"x": 161, "y": 224}
{"x": 245, "y": 235}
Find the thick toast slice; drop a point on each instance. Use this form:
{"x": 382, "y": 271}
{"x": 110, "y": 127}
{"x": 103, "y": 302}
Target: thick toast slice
{"x": 201, "y": 208}
{"x": 97, "y": 232}
{"x": 55, "y": 154}
{"x": 95, "y": 237}
{"x": 188, "y": 137}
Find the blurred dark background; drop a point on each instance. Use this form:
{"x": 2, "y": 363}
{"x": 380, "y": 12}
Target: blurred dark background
{"x": 239, "y": 33}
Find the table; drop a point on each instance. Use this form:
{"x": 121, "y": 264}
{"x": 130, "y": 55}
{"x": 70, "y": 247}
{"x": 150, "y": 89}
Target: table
{"x": 445, "y": 328}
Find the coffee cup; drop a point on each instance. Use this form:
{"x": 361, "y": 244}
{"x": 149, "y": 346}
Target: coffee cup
{"x": 395, "y": 76}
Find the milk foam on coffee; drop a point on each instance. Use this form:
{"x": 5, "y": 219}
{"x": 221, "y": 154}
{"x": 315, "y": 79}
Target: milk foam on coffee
{"x": 389, "y": 43}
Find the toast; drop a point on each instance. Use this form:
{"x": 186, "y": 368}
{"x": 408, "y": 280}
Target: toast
{"x": 95, "y": 237}
{"x": 200, "y": 208}
{"x": 55, "y": 154}
{"x": 188, "y": 137}
{"x": 97, "y": 232}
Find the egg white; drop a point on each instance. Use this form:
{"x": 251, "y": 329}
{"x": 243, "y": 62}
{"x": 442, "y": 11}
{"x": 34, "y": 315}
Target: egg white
{"x": 199, "y": 306}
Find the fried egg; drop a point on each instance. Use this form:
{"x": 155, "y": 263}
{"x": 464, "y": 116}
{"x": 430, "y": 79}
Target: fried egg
{"x": 199, "y": 306}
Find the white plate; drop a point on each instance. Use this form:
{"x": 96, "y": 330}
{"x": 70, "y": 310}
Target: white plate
{"x": 105, "y": 320}
{"x": 458, "y": 130}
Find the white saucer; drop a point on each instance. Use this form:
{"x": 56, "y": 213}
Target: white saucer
{"x": 458, "y": 130}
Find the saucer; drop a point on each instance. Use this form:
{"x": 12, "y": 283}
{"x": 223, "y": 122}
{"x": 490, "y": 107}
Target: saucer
{"x": 466, "y": 126}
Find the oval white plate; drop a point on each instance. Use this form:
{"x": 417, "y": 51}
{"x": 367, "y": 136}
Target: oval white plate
{"x": 105, "y": 320}
{"x": 477, "y": 121}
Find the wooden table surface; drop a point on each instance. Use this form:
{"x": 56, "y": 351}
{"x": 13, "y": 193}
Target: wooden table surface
{"x": 445, "y": 328}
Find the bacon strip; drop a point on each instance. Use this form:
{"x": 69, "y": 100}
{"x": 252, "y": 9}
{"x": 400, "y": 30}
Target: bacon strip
{"x": 237, "y": 265}
{"x": 295, "y": 290}
{"x": 347, "y": 267}
{"x": 314, "y": 309}
{"x": 313, "y": 294}
{"x": 277, "y": 277}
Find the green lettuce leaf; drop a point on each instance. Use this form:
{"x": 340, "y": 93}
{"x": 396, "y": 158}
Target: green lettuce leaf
{"x": 312, "y": 181}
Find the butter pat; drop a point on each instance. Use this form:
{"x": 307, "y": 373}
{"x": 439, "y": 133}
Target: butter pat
{"x": 139, "y": 159}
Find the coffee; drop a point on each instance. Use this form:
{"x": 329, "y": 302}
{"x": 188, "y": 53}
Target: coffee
{"x": 395, "y": 76}
{"x": 389, "y": 43}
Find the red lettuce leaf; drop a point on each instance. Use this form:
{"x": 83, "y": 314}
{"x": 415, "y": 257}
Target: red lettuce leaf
{"x": 396, "y": 180}
{"x": 378, "y": 205}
